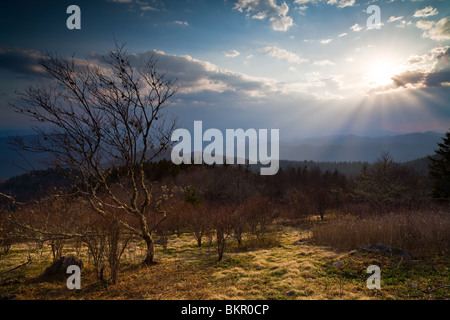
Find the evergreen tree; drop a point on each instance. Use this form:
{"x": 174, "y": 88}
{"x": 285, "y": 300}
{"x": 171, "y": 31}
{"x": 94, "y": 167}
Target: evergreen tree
{"x": 439, "y": 170}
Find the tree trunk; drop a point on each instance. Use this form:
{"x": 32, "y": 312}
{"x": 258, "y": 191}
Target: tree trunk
{"x": 147, "y": 236}
{"x": 198, "y": 237}
{"x": 220, "y": 243}
{"x": 149, "y": 256}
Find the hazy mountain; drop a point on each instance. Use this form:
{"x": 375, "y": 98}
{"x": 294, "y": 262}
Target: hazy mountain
{"x": 340, "y": 148}
{"x": 405, "y": 147}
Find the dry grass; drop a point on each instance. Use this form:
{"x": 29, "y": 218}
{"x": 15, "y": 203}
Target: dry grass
{"x": 422, "y": 233}
{"x": 287, "y": 270}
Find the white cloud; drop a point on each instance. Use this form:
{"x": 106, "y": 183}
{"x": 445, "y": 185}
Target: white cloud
{"x": 263, "y": 9}
{"x": 282, "y": 54}
{"x": 281, "y": 23}
{"x": 302, "y": 9}
{"x": 322, "y": 63}
{"x": 342, "y": 35}
{"x": 305, "y": 1}
{"x": 425, "y": 12}
{"x": 403, "y": 24}
{"x": 181, "y": 23}
{"x": 148, "y": 8}
{"x": 231, "y": 53}
{"x": 439, "y": 30}
{"x": 394, "y": 18}
{"x": 260, "y": 16}
{"x": 143, "y": 6}
{"x": 326, "y": 41}
{"x": 342, "y": 3}
{"x": 339, "y": 3}
{"x": 356, "y": 27}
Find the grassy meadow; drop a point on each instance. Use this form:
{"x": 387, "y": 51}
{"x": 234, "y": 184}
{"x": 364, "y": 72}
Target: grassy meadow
{"x": 312, "y": 260}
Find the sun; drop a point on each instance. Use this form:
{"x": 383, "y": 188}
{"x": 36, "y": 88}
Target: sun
{"x": 380, "y": 73}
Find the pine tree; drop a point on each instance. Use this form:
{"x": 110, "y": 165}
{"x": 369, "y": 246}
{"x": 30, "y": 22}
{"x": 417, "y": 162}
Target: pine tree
{"x": 439, "y": 170}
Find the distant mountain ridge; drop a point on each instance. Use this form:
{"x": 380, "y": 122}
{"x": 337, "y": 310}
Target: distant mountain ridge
{"x": 339, "y": 148}
{"x": 404, "y": 147}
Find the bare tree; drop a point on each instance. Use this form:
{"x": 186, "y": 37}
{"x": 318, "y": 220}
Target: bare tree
{"x": 259, "y": 213}
{"x": 222, "y": 222}
{"x": 321, "y": 199}
{"x": 104, "y": 122}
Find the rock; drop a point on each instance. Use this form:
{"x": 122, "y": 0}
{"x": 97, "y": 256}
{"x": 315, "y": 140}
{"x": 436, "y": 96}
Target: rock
{"x": 299, "y": 242}
{"x": 337, "y": 263}
{"x": 59, "y": 267}
{"x": 385, "y": 249}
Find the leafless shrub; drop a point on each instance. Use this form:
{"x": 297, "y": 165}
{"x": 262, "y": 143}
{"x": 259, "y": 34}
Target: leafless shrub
{"x": 222, "y": 222}
{"x": 117, "y": 240}
{"x": 259, "y": 213}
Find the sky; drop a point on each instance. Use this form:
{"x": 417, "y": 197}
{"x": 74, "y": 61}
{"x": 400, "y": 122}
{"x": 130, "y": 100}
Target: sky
{"x": 306, "y": 67}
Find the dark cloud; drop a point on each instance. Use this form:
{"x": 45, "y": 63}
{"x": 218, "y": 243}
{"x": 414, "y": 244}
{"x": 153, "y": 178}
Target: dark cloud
{"x": 422, "y": 79}
{"x": 197, "y": 76}
{"x": 437, "y": 79}
{"x": 408, "y": 78}
{"x": 420, "y": 76}
{"x": 20, "y": 61}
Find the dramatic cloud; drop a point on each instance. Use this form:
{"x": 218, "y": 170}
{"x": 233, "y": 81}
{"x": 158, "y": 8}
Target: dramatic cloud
{"x": 439, "y": 30}
{"x": 425, "y": 12}
{"x": 430, "y": 70}
{"x": 197, "y": 76}
{"x": 282, "y": 54}
{"x": 262, "y": 9}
